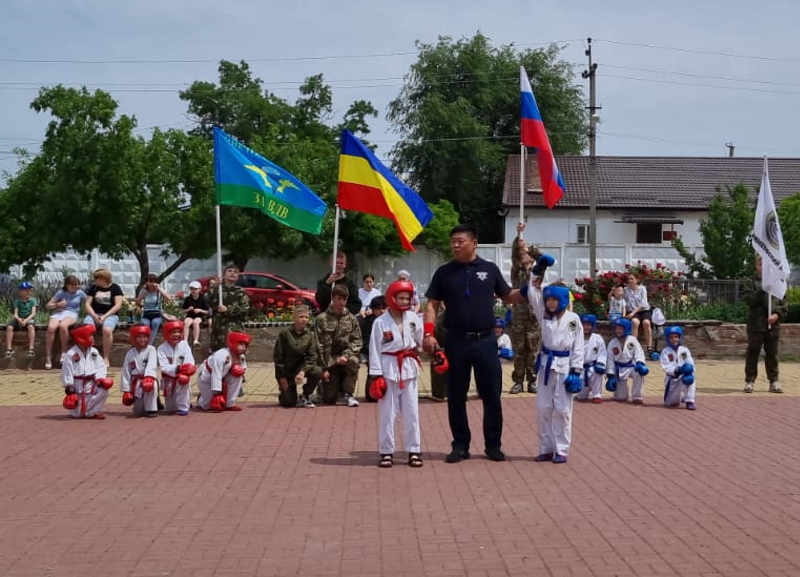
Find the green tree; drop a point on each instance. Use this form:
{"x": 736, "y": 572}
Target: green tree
{"x": 725, "y": 233}
{"x": 789, "y": 217}
{"x": 97, "y": 185}
{"x": 458, "y": 115}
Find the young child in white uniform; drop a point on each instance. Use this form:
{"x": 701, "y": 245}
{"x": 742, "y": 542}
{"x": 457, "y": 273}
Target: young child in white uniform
{"x": 139, "y": 371}
{"x": 395, "y": 367}
{"x": 504, "y": 350}
{"x": 222, "y": 374}
{"x": 176, "y": 362}
{"x": 625, "y": 361}
{"x": 594, "y": 360}
{"x": 558, "y": 367}
{"x": 83, "y": 375}
{"x": 678, "y": 365}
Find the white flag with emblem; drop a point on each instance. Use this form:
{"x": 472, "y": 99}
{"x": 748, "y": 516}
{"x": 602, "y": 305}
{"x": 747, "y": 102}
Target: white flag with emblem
{"x": 768, "y": 241}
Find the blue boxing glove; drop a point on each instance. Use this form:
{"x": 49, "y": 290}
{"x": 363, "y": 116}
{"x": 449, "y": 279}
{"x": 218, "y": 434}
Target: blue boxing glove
{"x": 599, "y": 368}
{"x": 641, "y": 368}
{"x": 523, "y": 290}
{"x": 687, "y": 368}
{"x": 505, "y": 353}
{"x": 654, "y": 356}
{"x": 542, "y": 263}
{"x": 687, "y": 380}
{"x": 611, "y": 383}
{"x": 573, "y": 382}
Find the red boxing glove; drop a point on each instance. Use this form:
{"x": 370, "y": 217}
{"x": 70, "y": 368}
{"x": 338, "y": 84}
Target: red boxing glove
{"x": 217, "y": 402}
{"x": 127, "y": 399}
{"x": 70, "y": 401}
{"x": 183, "y": 379}
{"x": 377, "y": 388}
{"x": 237, "y": 371}
{"x": 187, "y": 369}
{"x": 440, "y": 362}
{"x": 104, "y": 383}
{"x": 148, "y": 384}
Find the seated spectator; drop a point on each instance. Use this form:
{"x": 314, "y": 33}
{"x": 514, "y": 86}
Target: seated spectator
{"x": 196, "y": 310}
{"x": 103, "y": 301}
{"x": 151, "y": 299}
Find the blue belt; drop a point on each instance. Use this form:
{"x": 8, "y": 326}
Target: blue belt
{"x": 550, "y": 356}
{"x": 624, "y": 366}
{"x": 586, "y": 372}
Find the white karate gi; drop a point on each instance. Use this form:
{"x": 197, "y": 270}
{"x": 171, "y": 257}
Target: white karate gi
{"x": 176, "y": 397}
{"x": 214, "y": 377}
{"x": 79, "y": 371}
{"x": 622, "y": 356}
{"x": 563, "y": 337}
{"x": 594, "y": 351}
{"x": 386, "y": 338}
{"x": 137, "y": 365}
{"x": 674, "y": 388}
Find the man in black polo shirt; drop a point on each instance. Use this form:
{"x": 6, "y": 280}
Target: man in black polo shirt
{"x": 467, "y": 285}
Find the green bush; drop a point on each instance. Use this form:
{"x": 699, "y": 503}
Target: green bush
{"x": 793, "y": 300}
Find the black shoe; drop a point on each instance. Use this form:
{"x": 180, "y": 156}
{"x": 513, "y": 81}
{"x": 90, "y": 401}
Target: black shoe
{"x": 495, "y": 454}
{"x": 151, "y": 414}
{"x": 457, "y": 455}
{"x": 532, "y": 388}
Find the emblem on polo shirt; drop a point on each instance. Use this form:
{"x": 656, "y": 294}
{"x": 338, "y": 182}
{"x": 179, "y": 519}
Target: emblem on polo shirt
{"x": 481, "y": 275}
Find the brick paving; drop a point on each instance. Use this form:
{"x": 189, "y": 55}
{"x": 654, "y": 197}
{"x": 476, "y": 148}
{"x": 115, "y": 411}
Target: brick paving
{"x": 274, "y": 492}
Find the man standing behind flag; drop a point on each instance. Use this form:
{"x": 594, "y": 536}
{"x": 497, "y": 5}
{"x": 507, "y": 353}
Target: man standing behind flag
{"x": 533, "y": 134}
{"x": 764, "y": 295}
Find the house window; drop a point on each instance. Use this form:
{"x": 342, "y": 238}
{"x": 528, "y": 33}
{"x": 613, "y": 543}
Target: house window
{"x": 648, "y": 233}
{"x": 582, "y": 234}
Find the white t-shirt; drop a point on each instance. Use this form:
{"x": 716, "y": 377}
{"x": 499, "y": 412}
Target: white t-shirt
{"x": 366, "y": 297}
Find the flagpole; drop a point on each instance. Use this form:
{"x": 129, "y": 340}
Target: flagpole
{"x": 219, "y": 253}
{"x": 335, "y": 241}
{"x": 521, "y": 185}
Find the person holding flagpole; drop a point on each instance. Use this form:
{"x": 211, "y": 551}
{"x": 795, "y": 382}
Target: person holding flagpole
{"x": 765, "y": 294}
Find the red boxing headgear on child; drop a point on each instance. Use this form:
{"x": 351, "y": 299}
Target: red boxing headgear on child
{"x": 399, "y": 286}
{"x": 169, "y": 328}
{"x": 138, "y": 330}
{"x": 235, "y": 339}
{"x": 83, "y": 335}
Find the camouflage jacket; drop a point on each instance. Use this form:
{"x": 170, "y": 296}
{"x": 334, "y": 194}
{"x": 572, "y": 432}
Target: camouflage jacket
{"x": 520, "y": 276}
{"x": 336, "y": 335}
{"x": 295, "y": 352}
{"x": 238, "y": 304}
{"x": 757, "y": 299}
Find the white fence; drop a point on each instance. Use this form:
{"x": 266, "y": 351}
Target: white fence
{"x": 571, "y": 261}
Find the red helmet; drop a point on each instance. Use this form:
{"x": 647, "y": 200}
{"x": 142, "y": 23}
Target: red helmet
{"x": 168, "y": 329}
{"x": 138, "y": 330}
{"x": 235, "y": 339}
{"x": 399, "y": 286}
{"x": 83, "y": 335}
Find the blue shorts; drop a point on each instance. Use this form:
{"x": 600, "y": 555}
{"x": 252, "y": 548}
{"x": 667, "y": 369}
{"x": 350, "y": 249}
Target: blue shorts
{"x": 110, "y": 322}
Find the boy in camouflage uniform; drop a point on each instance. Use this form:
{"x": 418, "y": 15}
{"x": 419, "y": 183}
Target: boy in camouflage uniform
{"x": 295, "y": 359}
{"x": 338, "y": 344}
{"x": 232, "y": 312}
{"x": 525, "y": 332}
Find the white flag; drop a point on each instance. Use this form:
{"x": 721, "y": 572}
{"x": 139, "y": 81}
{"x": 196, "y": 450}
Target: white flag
{"x": 768, "y": 241}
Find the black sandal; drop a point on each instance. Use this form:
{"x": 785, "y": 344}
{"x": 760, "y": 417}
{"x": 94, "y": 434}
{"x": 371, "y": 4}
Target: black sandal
{"x": 385, "y": 462}
{"x": 414, "y": 460}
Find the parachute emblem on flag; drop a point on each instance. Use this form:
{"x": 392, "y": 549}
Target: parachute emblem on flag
{"x": 772, "y": 230}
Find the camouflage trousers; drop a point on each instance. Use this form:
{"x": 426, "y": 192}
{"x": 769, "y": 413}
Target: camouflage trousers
{"x": 525, "y": 339}
{"x": 343, "y": 380}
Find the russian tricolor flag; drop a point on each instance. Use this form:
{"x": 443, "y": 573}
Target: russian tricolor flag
{"x": 534, "y": 135}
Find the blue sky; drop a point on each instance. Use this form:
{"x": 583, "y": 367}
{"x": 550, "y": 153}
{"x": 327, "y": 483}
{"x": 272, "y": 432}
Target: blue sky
{"x": 674, "y": 79}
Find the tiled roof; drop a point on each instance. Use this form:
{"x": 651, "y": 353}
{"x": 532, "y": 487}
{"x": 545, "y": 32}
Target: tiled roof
{"x": 686, "y": 183}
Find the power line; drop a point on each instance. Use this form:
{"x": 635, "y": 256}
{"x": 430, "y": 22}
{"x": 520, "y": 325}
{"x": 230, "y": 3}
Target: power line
{"x": 705, "y": 52}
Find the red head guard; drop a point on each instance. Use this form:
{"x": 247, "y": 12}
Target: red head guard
{"x": 83, "y": 335}
{"x": 137, "y": 330}
{"x": 399, "y": 286}
{"x": 234, "y": 339}
{"x": 168, "y": 328}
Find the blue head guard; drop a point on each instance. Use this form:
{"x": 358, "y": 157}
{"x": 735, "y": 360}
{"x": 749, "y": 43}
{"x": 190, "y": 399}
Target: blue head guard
{"x": 673, "y": 331}
{"x": 589, "y": 319}
{"x": 624, "y": 323}
{"x": 557, "y": 292}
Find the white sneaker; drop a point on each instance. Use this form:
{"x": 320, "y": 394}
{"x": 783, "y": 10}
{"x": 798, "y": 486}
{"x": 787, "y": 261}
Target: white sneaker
{"x": 305, "y": 403}
{"x": 748, "y": 387}
{"x": 61, "y": 360}
{"x": 9, "y": 352}
{"x": 351, "y": 401}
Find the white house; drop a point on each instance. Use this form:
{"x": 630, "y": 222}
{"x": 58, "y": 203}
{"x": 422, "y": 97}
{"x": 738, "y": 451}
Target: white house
{"x": 641, "y": 204}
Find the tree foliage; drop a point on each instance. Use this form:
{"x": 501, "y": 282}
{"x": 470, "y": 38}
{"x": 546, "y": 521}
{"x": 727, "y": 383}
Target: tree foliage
{"x": 726, "y": 234}
{"x": 789, "y": 217}
{"x": 458, "y": 116}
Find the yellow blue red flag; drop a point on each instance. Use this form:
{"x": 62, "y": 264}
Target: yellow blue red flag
{"x": 366, "y": 185}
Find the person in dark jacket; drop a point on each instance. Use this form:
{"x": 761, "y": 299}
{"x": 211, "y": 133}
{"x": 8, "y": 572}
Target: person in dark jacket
{"x": 295, "y": 358}
{"x": 763, "y": 331}
{"x": 338, "y": 278}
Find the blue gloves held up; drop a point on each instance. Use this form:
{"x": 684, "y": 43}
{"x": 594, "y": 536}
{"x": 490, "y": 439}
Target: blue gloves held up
{"x": 542, "y": 263}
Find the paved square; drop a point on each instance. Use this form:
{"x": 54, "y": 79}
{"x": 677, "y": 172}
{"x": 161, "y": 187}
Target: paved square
{"x": 271, "y": 491}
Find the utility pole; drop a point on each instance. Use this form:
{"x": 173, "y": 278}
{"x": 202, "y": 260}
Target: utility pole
{"x": 590, "y": 73}
{"x": 730, "y": 149}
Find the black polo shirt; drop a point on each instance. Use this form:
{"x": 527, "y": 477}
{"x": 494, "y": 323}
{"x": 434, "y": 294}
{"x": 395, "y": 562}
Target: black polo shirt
{"x": 468, "y": 291}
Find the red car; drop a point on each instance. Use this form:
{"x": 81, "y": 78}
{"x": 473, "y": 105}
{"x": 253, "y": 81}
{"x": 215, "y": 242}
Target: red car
{"x": 267, "y": 290}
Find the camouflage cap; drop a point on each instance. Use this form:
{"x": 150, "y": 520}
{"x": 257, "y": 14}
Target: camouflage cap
{"x": 301, "y": 310}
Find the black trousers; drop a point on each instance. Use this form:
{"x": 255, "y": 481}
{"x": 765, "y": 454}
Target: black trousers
{"x": 465, "y": 355}
{"x": 755, "y": 340}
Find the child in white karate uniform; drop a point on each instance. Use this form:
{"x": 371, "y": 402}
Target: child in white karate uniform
{"x": 558, "y": 367}
{"x": 678, "y": 365}
{"x": 83, "y": 375}
{"x": 139, "y": 371}
{"x": 395, "y": 367}
{"x": 594, "y": 361}
{"x": 626, "y": 361}
{"x": 222, "y": 374}
{"x": 176, "y": 362}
